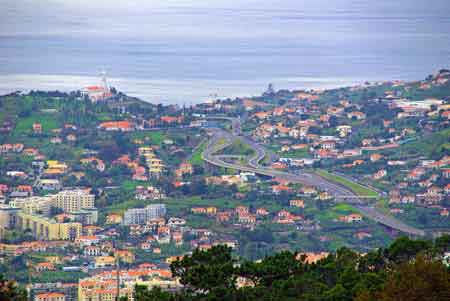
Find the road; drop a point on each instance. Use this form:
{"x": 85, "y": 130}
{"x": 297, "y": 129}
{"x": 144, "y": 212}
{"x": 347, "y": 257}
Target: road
{"x": 306, "y": 178}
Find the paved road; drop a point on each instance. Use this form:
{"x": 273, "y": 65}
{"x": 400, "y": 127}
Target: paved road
{"x": 343, "y": 194}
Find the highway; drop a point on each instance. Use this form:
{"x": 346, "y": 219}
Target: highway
{"x": 341, "y": 193}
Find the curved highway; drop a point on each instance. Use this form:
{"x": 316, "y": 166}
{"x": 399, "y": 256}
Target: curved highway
{"x": 311, "y": 179}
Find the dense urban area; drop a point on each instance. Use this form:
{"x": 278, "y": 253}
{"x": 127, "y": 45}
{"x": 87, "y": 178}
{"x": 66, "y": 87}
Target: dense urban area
{"x": 291, "y": 195}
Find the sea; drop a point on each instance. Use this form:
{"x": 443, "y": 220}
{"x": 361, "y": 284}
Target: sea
{"x": 185, "y": 51}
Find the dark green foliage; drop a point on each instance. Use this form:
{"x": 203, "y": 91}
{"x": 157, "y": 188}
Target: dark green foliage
{"x": 207, "y": 271}
{"x": 404, "y": 249}
{"x": 407, "y": 270}
{"x": 10, "y": 291}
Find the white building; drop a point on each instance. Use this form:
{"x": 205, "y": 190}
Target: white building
{"x": 139, "y": 216}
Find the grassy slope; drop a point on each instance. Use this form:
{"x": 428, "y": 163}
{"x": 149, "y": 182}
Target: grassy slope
{"x": 434, "y": 145}
{"x": 196, "y": 158}
{"x": 355, "y": 187}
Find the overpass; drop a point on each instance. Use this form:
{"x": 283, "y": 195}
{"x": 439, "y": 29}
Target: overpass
{"x": 341, "y": 193}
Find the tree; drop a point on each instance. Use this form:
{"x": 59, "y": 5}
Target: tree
{"x": 211, "y": 271}
{"x": 155, "y": 294}
{"x": 399, "y": 273}
{"x": 10, "y": 291}
{"x": 413, "y": 281}
{"x": 404, "y": 249}
{"x": 442, "y": 244}
{"x": 272, "y": 268}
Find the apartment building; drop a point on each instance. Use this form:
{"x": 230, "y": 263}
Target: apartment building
{"x": 139, "y": 216}
{"x": 74, "y": 200}
{"x": 34, "y": 205}
{"x": 48, "y": 229}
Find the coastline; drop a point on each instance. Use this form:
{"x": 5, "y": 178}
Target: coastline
{"x": 170, "y": 91}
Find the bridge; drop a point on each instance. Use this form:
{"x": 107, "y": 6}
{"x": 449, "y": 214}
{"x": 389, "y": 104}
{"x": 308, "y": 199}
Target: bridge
{"x": 341, "y": 193}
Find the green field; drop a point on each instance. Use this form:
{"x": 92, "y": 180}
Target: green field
{"x": 25, "y": 125}
{"x": 434, "y": 145}
{"x": 196, "y": 158}
{"x": 300, "y": 153}
{"x": 154, "y": 138}
{"x": 237, "y": 148}
{"x": 355, "y": 187}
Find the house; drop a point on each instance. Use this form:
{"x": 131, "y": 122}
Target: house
{"x": 96, "y": 93}
{"x": 354, "y": 217}
{"x": 16, "y": 174}
{"x": 297, "y": 203}
{"x": 434, "y": 190}
{"x": 285, "y": 217}
{"x": 146, "y": 246}
{"x": 279, "y": 165}
{"x": 37, "y": 128}
{"x": 380, "y": 174}
{"x": 87, "y": 240}
{"x": 247, "y": 218}
{"x": 44, "y": 266}
{"x": 71, "y": 138}
{"x": 363, "y": 235}
{"x": 177, "y": 238}
{"x": 223, "y": 217}
{"x": 184, "y": 169}
{"x": 375, "y": 157}
{"x": 328, "y": 144}
{"x": 344, "y": 130}
{"x": 148, "y": 193}
{"x": 285, "y": 148}
{"x": 172, "y": 119}
{"x": 311, "y": 257}
{"x": 50, "y": 296}
{"x": 356, "y": 115}
{"x": 394, "y": 196}
{"x": 408, "y": 199}
{"x": 277, "y": 189}
{"x": 299, "y": 146}
{"x": 241, "y": 210}
{"x": 261, "y": 115}
{"x": 113, "y": 218}
{"x": 325, "y": 118}
{"x": 308, "y": 190}
{"x": 125, "y": 256}
{"x": 325, "y": 195}
{"x": 104, "y": 261}
{"x": 198, "y": 210}
{"x": 416, "y": 174}
{"x": 336, "y": 111}
{"x": 262, "y": 212}
{"x": 122, "y": 126}
{"x": 211, "y": 210}
{"x": 92, "y": 251}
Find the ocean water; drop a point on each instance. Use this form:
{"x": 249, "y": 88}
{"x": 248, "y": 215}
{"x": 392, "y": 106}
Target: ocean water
{"x": 182, "y": 51}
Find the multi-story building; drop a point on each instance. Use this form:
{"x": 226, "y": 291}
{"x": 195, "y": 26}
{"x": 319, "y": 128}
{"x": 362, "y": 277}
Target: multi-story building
{"x": 155, "y": 166}
{"x": 52, "y": 296}
{"x": 103, "y": 286}
{"x": 85, "y": 216}
{"x": 74, "y": 200}
{"x": 8, "y": 217}
{"x": 48, "y": 229}
{"x": 50, "y": 291}
{"x": 139, "y": 216}
{"x": 93, "y": 289}
{"x": 34, "y": 205}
